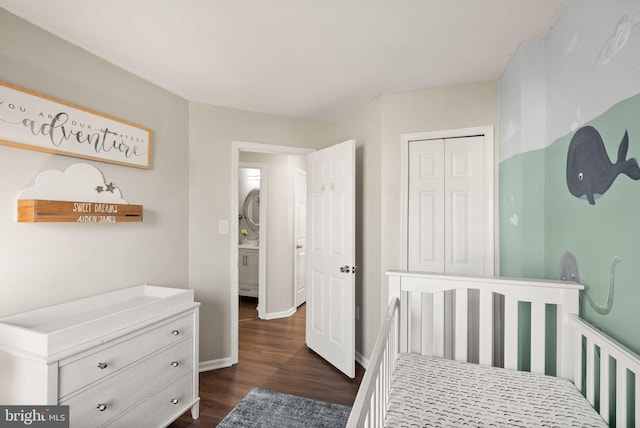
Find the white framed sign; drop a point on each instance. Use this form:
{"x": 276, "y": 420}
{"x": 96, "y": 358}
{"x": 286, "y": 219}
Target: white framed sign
{"x": 33, "y": 121}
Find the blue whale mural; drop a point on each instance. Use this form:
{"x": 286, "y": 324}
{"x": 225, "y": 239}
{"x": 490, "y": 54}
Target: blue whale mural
{"x": 590, "y": 172}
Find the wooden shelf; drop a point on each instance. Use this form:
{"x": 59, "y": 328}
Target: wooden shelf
{"x": 39, "y": 211}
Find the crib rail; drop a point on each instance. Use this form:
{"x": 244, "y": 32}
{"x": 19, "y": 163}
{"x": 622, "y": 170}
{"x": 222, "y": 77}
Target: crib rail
{"x": 423, "y": 321}
{"x": 417, "y": 316}
{"x": 370, "y": 406}
{"x": 627, "y": 362}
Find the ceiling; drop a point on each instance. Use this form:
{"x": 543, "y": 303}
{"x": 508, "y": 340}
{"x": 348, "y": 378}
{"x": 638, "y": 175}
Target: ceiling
{"x": 314, "y": 59}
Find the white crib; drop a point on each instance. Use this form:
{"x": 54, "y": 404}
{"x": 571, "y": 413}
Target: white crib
{"x": 418, "y": 321}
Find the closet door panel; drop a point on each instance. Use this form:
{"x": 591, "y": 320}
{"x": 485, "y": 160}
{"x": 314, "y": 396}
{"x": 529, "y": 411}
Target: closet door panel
{"x": 426, "y": 206}
{"x": 464, "y": 205}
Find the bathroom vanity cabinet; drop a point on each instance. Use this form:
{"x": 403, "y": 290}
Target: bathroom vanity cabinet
{"x": 248, "y": 271}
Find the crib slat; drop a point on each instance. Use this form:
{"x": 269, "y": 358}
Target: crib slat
{"x": 510, "y": 333}
{"x": 414, "y": 334}
{"x": 405, "y": 310}
{"x": 604, "y": 385}
{"x": 426, "y": 325}
{"x": 563, "y": 342}
{"x": 621, "y": 395}
{"x": 438, "y": 324}
{"x": 637, "y": 404}
{"x": 486, "y": 328}
{"x": 461, "y": 321}
{"x": 590, "y": 381}
{"x": 538, "y": 316}
{"x": 577, "y": 362}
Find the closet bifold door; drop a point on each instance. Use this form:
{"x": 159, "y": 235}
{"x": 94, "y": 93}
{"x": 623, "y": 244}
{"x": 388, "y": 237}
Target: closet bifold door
{"x": 464, "y": 211}
{"x": 426, "y": 250}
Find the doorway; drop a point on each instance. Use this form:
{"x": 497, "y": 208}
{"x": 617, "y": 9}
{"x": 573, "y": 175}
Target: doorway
{"x": 237, "y": 150}
{"x": 252, "y": 209}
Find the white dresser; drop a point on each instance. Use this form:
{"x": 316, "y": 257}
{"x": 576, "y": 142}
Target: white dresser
{"x": 123, "y": 359}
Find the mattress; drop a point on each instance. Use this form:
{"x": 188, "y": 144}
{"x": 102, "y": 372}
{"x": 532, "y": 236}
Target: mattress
{"x": 434, "y": 392}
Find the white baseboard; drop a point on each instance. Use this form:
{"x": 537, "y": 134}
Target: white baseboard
{"x": 283, "y": 314}
{"x": 220, "y": 363}
{"x": 362, "y": 360}
{"x": 227, "y": 362}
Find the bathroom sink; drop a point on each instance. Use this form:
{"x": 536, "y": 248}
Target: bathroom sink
{"x": 249, "y": 244}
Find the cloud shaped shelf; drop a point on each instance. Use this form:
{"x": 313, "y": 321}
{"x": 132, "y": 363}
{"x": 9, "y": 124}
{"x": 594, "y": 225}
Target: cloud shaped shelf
{"x": 78, "y": 194}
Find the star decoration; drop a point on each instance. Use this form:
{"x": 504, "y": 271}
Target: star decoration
{"x": 99, "y": 189}
{"x": 110, "y": 187}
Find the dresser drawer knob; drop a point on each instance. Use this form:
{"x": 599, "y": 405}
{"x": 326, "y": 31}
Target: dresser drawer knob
{"x": 102, "y": 366}
{"x": 174, "y": 401}
{"x": 102, "y": 407}
{"x": 174, "y": 364}
{"x": 175, "y": 332}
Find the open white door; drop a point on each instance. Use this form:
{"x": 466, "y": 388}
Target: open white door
{"x": 331, "y": 255}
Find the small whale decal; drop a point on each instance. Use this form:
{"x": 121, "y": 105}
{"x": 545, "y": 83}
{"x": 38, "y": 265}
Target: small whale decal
{"x": 590, "y": 172}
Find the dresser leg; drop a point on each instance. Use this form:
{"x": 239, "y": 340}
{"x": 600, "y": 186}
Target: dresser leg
{"x": 195, "y": 411}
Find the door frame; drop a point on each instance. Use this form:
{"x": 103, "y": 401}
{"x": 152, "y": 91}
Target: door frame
{"x": 236, "y": 148}
{"x": 491, "y": 184}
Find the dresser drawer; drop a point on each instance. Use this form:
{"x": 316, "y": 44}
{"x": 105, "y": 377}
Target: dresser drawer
{"x": 78, "y": 372}
{"x": 161, "y": 407}
{"x": 115, "y": 394}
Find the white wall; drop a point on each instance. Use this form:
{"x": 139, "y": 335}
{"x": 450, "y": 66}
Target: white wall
{"x": 43, "y": 264}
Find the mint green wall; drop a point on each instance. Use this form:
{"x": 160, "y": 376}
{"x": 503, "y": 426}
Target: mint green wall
{"x": 522, "y": 186}
{"x": 597, "y": 233}
{"x": 585, "y": 72}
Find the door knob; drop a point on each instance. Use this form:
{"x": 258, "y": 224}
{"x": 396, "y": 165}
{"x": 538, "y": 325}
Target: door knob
{"x": 298, "y": 246}
{"x": 345, "y": 269}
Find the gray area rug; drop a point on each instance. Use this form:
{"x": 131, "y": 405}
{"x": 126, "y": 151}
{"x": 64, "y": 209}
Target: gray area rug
{"x": 269, "y": 409}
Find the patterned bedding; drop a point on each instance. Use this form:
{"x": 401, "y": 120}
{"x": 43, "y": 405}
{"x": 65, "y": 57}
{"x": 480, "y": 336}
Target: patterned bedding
{"x": 434, "y": 392}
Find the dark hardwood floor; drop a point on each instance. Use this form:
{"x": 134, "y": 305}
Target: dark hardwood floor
{"x": 272, "y": 355}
